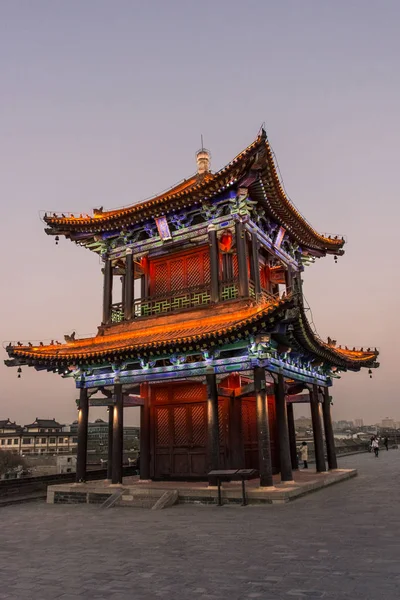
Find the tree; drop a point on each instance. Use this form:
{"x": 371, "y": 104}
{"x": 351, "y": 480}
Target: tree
{"x": 9, "y": 461}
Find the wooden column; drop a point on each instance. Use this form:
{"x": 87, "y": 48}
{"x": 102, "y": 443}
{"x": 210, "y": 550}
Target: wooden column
{"x": 317, "y": 429}
{"x": 145, "y": 437}
{"x": 214, "y": 263}
{"x": 283, "y": 430}
{"x": 292, "y": 436}
{"x": 255, "y": 264}
{"x": 212, "y": 422}
{"x": 264, "y": 444}
{"x": 288, "y": 280}
{"x": 329, "y": 437}
{"x": 241, "y": 249}
{"x": 110, "y": 441}
{"x": 83, "y": 419}
{"x": 118, "y": 435}
{"x": 129, "y": 282}
{"x": 235, "y": 430}
{"x": 107, "y": 291}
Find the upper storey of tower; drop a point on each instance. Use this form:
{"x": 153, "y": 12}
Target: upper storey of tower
{"x": 251, "y": 174}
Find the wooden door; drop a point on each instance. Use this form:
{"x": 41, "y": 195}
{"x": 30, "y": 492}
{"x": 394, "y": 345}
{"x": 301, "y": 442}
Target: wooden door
{"x": 180, "y": 431}
{"x": 249, "y": 428}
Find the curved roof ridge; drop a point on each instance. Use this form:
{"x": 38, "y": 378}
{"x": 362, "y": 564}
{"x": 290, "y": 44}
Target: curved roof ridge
{"x": 195, "y": 182}
{"x": 332, "y": 352}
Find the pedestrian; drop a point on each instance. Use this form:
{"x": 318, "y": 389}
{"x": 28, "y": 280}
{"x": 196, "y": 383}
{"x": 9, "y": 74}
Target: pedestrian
{"x": 386, "y": 443}
{"x": 304, "y": 454}
{"x": 375, "y": 447}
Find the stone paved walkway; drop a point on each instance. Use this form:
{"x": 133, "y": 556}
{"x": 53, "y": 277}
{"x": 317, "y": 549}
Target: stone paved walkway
{"x": 341, "y": 542}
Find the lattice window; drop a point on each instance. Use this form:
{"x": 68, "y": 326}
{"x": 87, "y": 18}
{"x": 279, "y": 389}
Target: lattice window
{"x": 180, "y": 426}
{"x": 199, "y": 429}
{"x": 177, "y": 276}
{"x": 221, "y": 423}
{"x": 160, "y": 394}
{"x": 206, "y": 268}
{"x": 162, "y": 435}
{"x": 189, "y": 392}
{"x": 160, "y": 274}
{"x": 194, "y": 271}
{"x": 235, "y": 266}
{"x": 246, "y": 422}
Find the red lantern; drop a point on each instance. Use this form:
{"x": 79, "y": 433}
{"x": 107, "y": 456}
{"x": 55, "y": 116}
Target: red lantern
{"x": 225, "y": 241}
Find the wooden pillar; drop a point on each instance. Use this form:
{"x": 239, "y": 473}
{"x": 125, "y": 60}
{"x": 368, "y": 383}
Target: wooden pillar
{"x": 107, "y": 291}
{"x": 241, "y": 248}
{"x": 145, "y": 437}
{"x": 317, "y": 429}
{"x": 212, "y": 422}
{"x": 255, "y": 264}
{"x": 214, "y": 263}
{"x": 329, "y": 437}
{"x": 283, "y": 430}
{"x": 129, "y": 282}
{"x": 288, "y": 280}
{"x": 110, "y": 441}
{"x": 264, "y": 444}
{"x": 292, "y": 436}
{"x": 83, "y": 419}
{"x": 118, "y": 434}
{"x": 235, "y": 430}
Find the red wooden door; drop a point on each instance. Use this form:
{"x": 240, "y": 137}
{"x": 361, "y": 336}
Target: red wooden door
{"x": 180, "y": 431}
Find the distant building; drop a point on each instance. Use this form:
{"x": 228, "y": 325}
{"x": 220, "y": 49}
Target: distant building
{"x": 359, "y": 422}
{"x": 342, "y": 425}
{"x": 388, "y": 423}
{"x": 66, "y": 464}
{"x": 303, "y": 423}
{"x": 98, "y": 435}
{"x": 43, "y": 436}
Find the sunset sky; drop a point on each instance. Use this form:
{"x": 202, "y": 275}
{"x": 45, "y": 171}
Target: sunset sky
{"x": 102, "y": 103}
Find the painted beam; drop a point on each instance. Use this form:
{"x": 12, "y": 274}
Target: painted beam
{"x": 201, "y": 369}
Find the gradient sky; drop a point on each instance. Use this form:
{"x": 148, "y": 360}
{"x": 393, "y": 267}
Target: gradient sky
{"x": 103, "y": 103}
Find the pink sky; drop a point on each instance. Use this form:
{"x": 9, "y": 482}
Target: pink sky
{"x": 103, "y": 103}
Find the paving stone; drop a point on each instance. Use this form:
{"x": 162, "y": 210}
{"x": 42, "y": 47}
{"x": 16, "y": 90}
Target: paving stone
{"x": 338, "y": 543}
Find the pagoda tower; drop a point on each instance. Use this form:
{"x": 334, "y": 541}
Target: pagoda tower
{"x": 211, "y": 337}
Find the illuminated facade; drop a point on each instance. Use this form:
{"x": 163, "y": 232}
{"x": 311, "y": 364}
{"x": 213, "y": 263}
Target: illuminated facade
{"x": 211, "y": 338}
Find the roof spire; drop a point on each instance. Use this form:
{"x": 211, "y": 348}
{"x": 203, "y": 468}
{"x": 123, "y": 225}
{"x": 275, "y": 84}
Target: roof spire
{"x": 203, "y": 159}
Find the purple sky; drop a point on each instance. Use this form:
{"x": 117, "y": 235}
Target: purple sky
{"x": 103, "y": 103}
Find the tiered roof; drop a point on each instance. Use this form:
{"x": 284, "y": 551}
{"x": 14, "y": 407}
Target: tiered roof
{"x": 197, "y": 328}
{"x": 253, "y": 167}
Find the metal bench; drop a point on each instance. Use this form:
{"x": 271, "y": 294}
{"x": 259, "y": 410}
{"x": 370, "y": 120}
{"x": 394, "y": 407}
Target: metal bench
{"x": 232, "y": 475}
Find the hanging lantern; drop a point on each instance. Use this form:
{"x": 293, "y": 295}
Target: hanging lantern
{"x": 19, "y": 371}
{"x": 335, "y": 258}
{"x": 225, "y": 241}
{"x": 370, "y": 373}
{"x": 57, "y": 240}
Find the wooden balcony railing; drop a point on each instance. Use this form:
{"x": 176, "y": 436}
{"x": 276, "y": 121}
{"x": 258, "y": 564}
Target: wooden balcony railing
{"x": 183, "y": 299}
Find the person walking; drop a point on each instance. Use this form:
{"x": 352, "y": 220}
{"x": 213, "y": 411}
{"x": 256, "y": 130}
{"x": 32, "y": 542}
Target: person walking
{"x": 386, "y": 443}
{"x": 375, "y": 447}
{"x": 304, "y": 454}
